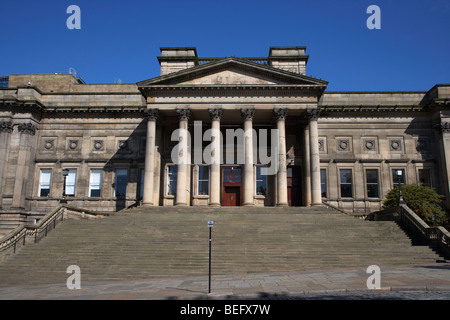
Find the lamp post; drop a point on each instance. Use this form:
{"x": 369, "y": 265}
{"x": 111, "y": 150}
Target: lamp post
{"x": 65, "y": 173}
{"x": 399, "y": 174}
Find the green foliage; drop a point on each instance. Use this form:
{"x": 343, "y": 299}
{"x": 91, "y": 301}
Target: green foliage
{"x": 423, "y": 200}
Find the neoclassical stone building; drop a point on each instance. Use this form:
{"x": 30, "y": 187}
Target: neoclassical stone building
{"x": 109, "y": 146}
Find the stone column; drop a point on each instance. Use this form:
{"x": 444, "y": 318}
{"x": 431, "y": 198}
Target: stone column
{"x": 149, "y": 170}
{"x": 282, "y": 197}
{"x": 316, "y": 193}
{"x": 247, "y": 115}
{"x": 307, "y": 167}
{"x": 214, "y": 195}
{"x": 183, "y": 158}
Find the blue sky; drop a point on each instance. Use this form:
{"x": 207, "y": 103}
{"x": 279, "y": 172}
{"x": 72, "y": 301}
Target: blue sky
{"x": 121, "y": 39}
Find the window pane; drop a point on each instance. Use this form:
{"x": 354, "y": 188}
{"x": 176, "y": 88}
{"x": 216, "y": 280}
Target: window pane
{"x": 346, "y": 175}
{"x": 95, "y": 183}
{"x": 172, "y": 180}
{"x": 323, "y": 182}
{"x": 203, "y": 180}
{"x": 372, "y": 190}
{"x": 141, "y": 194}
{"x": 261, "y": 182}
{"x": 203, "y": 173}
{"x": 346, "y": 191}
{"x": 121, "y": 183}
{"x": 70, "y": 182}
{"x": 44, "y": 182}
{"x": 372, "y": 183}
{"x": 372, "y": 176}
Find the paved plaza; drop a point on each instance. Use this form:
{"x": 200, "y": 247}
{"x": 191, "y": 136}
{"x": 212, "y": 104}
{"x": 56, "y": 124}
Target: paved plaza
{"x": 430, "y": 282}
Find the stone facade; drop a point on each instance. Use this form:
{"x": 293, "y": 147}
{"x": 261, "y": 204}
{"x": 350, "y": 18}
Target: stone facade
{"x": 117, "y": 139}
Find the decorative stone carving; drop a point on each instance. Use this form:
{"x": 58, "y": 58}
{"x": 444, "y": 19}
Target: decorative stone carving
{"x": 313, "y": 114}
{"x": 152, "y": 114}
{"x": 123, "y": 145}
{"x": 280, "y": 113}
{"x": 344, "y": 145}
{"x": 73, "y": 144}
{"x": 396, "y": 145}
{"x": 49, "y": 144}
{"x": 215, "y": 113}
{"x": 321, "y": 145}
{"x": 6, "y": 126}
{"x": 98, "y": 145}
{"x": 184, "y": 114}
{"x": 442, "y": 127}
{"x": 27, "y": 128}
{"x": 248, "y": 113}
{"x": 370, "y": 145}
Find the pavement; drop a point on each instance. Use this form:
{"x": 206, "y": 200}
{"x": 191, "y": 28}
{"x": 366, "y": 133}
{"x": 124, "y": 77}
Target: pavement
{"x": 424, "y": 282}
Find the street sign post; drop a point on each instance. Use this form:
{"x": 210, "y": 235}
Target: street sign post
{"x": 210, "y": 226}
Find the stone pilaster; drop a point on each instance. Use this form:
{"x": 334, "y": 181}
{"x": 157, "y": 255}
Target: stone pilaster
{"x": 26, "y": 130}
{"x": 282, "y": 198}
{"x": 247, "y": 115}
{"x": 316, "y": 193}
{"x": 150, "y": 148}
{"x": 215, "y": 115}
{"x": 443, "y": 129}
{"x": 6, "y": 128}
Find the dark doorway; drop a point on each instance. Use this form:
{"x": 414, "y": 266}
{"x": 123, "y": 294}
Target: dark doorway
{"x": 294, "y": 186}
{"x": 231, "y": 192}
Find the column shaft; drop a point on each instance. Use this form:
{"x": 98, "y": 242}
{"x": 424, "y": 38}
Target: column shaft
{"x": 149, "y": 170}
{"x": 316, "y": 194}
{"x": 248, "y": 165}
{"x": 183, "y": 159}
{"x": 214, "y": 196}
{"x": 282, "y": 195}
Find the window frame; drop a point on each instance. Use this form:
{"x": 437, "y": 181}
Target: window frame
{"x": 367, "y": 183}
{"x": 40, "y": 188}
{"x": 341, "y": 184}
{"x": 91, "y": 185}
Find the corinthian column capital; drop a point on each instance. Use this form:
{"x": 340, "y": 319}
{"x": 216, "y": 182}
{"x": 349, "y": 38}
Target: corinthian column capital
{"x": 183, "y": 113}
{"x": 280, "y": 113}
{"x": 152, "y": 114}
{"x": 248, "y": 113}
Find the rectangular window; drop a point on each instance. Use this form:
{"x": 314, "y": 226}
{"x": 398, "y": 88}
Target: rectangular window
{"x": 45, "y": 178}
{"x": 121, "y": 183}
{"x": 323, "y": 182}
{"x": 261, "y": 182}
{"x": 141, "y": 192}
{"x": 203, "y": 180}
{"x": 372, "y": 183}
{"x": 425, "y": 177}
{"x": 346, "y": 179}
{"x": 396, "y": 178}
{"x": 71, "y": 181}
{"x": 172, "y": 180}
{"x": 95, "y": 182}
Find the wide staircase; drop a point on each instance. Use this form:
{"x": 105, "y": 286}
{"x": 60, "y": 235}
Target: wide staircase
{"x": 145, "y": 243}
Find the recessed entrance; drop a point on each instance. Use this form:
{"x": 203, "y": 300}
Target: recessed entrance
{"x": 294, "y": 186}
{"x": 231, "y": 191}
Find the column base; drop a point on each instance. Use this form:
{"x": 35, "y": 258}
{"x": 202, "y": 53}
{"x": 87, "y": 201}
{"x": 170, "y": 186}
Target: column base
{"x": 181, "y": 205}
{"x": 320, "y": 204}
{"x": 248, "y": 204}
{"x": 282, "y": 205}
{"x": 214, "y": 204}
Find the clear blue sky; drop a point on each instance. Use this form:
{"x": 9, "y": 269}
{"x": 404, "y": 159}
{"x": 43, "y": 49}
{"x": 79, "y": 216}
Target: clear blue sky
{"x": 121, "y": 39}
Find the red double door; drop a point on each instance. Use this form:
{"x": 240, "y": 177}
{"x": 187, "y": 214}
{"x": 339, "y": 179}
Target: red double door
{"x": 231, "y": 192}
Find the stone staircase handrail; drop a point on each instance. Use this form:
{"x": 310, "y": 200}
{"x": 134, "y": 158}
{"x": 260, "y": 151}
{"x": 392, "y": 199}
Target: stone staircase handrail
{"x": 437, "y": 236}
{"x": 11, "y": 242}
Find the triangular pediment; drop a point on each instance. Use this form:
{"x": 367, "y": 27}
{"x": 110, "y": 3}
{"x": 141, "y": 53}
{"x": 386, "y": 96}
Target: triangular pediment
{"x": 232, "y": 71}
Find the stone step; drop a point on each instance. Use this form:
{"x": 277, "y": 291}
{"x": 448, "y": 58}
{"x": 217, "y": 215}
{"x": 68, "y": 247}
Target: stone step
{"x": 157, "y": 242}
